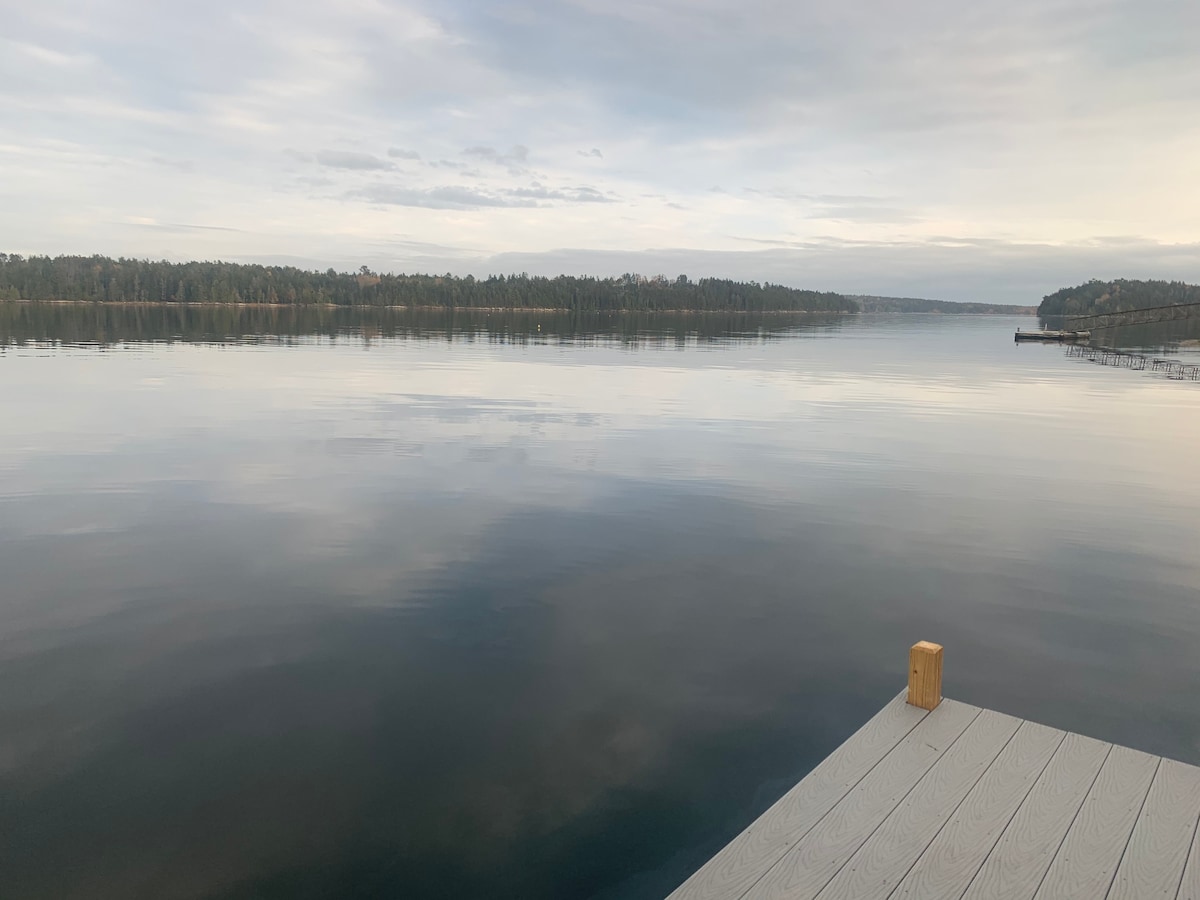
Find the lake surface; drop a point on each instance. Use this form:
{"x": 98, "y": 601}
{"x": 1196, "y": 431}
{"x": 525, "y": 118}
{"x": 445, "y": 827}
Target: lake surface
{"x": 317, "y": 604}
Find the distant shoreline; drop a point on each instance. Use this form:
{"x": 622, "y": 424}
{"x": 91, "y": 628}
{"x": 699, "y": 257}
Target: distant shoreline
{"x": 106, "y": 280}
{"x": 168, "y": 304}
{"x": 1021, "y": 311}
{"x": 214, "y": 284}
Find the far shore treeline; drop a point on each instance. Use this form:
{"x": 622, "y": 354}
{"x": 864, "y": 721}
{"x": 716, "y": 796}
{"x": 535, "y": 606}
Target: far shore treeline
{"x": 1095, "y": 297}
{"x": 105, "y": 280}
{"x": 872, "y": 304}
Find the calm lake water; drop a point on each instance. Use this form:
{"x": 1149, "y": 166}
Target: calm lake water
{"x": 372, "y": 605}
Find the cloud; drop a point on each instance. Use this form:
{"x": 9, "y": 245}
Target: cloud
{"x": 349, "y": 159}
{"x": 178, "y": 226}
{"x": 401, "y": 153}
{"x": 863, "y": 213}
{"x": 179, "y": 165}
{"x": 445, "y": 197}
{"x": 513, "y": 159}
{"x": 793, "y": 196}
{"x": 516, "y": 154}
{"x": 537, "y": 191}
{"x": 459, "y": 197}
{"x": 489, "y": 153}
{"x": 594, "y": 152}
{"x": 315, "y": 181}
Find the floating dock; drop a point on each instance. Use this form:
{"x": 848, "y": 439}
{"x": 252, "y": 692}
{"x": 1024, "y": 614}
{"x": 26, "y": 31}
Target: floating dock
{"x": 1110, "y": 356}
{"x": 1055, "y": 336}
{"x": 954, "y": 802}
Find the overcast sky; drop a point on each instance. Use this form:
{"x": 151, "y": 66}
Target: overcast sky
{"x": 960, "y": 150}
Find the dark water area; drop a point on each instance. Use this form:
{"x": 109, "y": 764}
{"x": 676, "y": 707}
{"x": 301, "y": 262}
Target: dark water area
{"x": 306, "y": 604}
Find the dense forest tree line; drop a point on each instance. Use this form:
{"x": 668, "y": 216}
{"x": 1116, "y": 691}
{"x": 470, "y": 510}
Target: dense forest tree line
{"x": 101, "y": 279}
{"x": 1097, "y": 296}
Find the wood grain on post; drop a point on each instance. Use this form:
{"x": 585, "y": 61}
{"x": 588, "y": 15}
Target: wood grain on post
{"x": 925, "y": 675}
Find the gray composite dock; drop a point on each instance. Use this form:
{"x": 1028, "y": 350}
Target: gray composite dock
{"x": 963, "y": 802}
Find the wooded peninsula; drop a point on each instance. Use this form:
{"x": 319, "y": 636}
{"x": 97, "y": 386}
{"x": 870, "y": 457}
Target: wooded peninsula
{"x": 1096, "y": 297}
{"x": 105, "y": 280}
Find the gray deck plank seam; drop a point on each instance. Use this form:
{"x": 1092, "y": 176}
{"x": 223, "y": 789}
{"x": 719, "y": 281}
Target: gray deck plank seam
{"x": 1162, "y": 838}
{"x": 1113, "y": 800}
{"x": 835, "y": 808}
{"x": 878, "y": 762}
{"x": 957, "y": 805}
{"x": 1000, "y": 832}
{"x": 1021, "y": 808}
{"x": 802, "y": 834}
{"x": 902, "y": 799}
{"x": 1074, "y": 818}
{"x": 961, "y": 801}
{"x": 1141, "y": 809}
{"x": 808, "y": 830}
{"x": 1191, "y": 856}
{"x": 918, "y": 783}
{"x": 898, "y": 802}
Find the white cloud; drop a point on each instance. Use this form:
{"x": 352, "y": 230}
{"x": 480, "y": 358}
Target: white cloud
{"x": 349, "y": 159}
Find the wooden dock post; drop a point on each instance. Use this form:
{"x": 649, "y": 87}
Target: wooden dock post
{"x": 925, "y": 675}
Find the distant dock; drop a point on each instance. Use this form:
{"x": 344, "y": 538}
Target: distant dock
{"x": 938, "y": 800}
{"x": 1053, "y": 336}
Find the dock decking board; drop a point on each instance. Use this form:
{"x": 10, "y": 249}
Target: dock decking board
{"x": 1158, "y": 848}
{"x": 1189, "y": 885}
{"x": 968, "y": 804}
{"x": 1018, "y": 862}
{"x": 1085, "y": 864}
{"x": 744, "y": 859}
{"x": 950, "y": 862}
{"x": 879, "y": 864}
{"x": 816, "y": 857}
